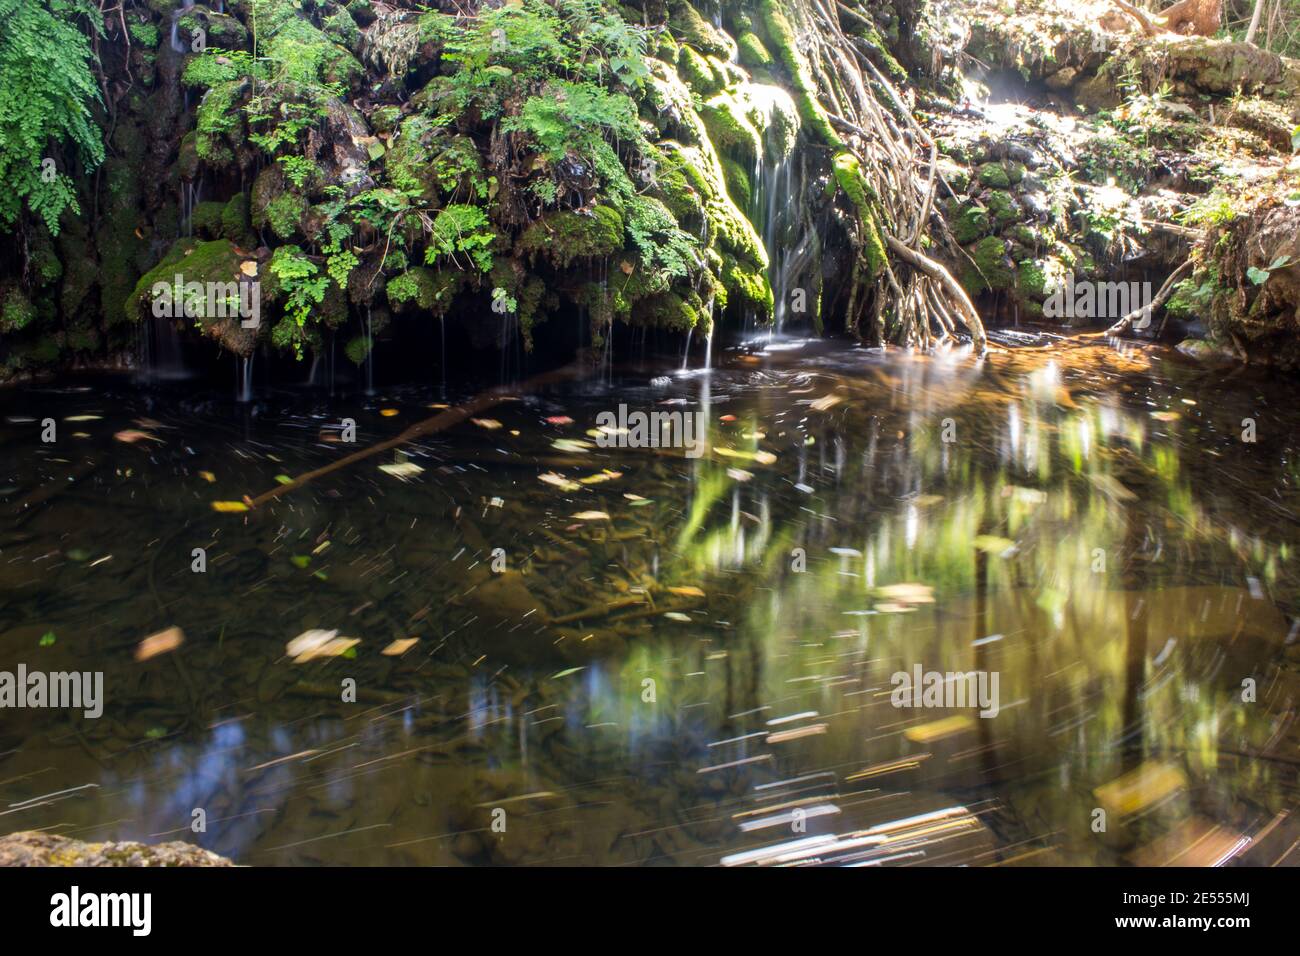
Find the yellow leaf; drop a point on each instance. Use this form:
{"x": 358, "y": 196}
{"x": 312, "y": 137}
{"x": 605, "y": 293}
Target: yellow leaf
{"x": 229, "y": 507}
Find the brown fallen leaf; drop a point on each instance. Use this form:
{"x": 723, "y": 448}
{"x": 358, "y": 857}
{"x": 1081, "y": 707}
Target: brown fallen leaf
{"x": 133, "y": 435}
{"x": 400, "y": 646}
{"x": 160, "y": 643}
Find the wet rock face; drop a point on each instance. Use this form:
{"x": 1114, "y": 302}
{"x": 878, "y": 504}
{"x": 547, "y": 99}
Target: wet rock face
{"x": 30, "y": 848}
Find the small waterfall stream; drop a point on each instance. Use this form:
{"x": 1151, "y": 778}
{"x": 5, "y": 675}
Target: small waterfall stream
{"x": 244, "y": 379}
{"x": 176, "y": 44}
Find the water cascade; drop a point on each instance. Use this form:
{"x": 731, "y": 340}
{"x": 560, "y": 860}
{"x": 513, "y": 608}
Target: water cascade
{"x": 244, "y": 379}
{"x": 176, "y": 44}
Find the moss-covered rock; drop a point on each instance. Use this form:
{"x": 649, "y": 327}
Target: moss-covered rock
{"x": 430, "y": 290}
{"x": 206, "y": 219}
{"x": 752, "y": 52}
{"x": 969, "y": 222}
{"x": 698, "y": 72}
{"x": 730, "y": 130}
{"x": 564, "y": 236}
{"x": 738, "y": 183}
{"x": 989, "y": 268}
{"x": 698, "y": 32}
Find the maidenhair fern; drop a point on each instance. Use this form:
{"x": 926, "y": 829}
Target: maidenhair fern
{"x": 47, "y": 90}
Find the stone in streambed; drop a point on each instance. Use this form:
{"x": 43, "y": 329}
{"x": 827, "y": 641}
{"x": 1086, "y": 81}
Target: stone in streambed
{"x": 29, "y": 848}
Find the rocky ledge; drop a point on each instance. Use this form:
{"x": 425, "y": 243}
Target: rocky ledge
{"x": 30, "y": 848}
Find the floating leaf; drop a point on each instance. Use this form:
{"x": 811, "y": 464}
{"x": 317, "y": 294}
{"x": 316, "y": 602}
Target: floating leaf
{"x": 229, "y": 507}
{"x": 687, "y": 591}
{"x": 597, "y": 478}
{"x": 592, "y": 516}
{"x": 160, "y": 643}
{"x": 400, "y": 646}
{"x": 300, "y": 560}
{"x": 133, "y": 435}
{"x": 389, "y": 412}
{"x": 47, "y": 639}
{"x": 208, "y": 476}
{"x": 405, "y": 470}
{"x": 559, "y": 481}
{"x": 491, "y": 424}
{"x": 284, "y": 479}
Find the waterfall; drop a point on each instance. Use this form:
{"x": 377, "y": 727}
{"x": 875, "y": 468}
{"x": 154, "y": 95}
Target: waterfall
{"x": 244, "y": 379}
{"x": 442, "y": 335}
{"x": 177, "y": 45}
{"x": 370, "y": 354}
{"x": 686, "y": 353}
{"x": 165, "y": 359}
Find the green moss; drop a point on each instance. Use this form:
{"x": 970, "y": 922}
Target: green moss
{"x": 698, "y": 73}
{"x": 342, "y": 29}
{"x": 1031, "y": 280}
{"x": 665, "y": 47}
{"x": 384, "y": 119}
{"x": 1003, "y": 208}
{"x": 729, "y": 129}
{"x": 427, "y": 289}
{"x": 234, "y": 219}
{"x": 751, "y": 51}
{"x": 122, "y": 253}
{"x": 16, "y": 310}
{"x": 994, "y": 175}
{"x": 747, "y": 285}
{"x": 145, "y": 34}
{"x": 849, "y": 176}
{"x": 990, "y": 270}
{"x": 738, "y": 185}
{"x": 693, "y": 29}
{"x": 667, "y": 310}
{"x": 969, "y": 223}
{"x": 782, "y": 37}
{"x": 675, "y": 188}
{"x": 565, "y": 236}
{"x": 205, "y": 219}
{"x": 194, "y": 261}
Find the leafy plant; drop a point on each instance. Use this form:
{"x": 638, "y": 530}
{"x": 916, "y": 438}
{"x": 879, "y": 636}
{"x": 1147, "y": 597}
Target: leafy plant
{"x": 460, "y": 228}
{"x": 47, "y": 91}
{"x": 302, "y": 285}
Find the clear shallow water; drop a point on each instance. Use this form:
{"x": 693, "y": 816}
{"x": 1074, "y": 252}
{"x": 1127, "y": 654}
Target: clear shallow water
{"x": 1095, "y": 531}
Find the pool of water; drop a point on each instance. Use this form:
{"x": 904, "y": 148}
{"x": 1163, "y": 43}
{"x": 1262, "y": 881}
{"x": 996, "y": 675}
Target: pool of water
{"x": 563, "y": 653}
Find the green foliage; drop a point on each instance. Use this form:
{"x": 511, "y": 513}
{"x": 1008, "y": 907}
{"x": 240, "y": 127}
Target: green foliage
{"x": 1216, "y": 209}
{"x": 460, "y": 228}
{"x": 301, "y": 284}
{"x": 47, "y": 90}
{"x": 663, "y": 246}
{"x": 145, "y": 34}
{"x": 299, "y": 170}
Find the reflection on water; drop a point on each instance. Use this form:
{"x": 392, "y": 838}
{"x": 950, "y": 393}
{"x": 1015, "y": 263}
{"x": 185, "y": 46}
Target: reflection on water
{"x": 683, "y": 661}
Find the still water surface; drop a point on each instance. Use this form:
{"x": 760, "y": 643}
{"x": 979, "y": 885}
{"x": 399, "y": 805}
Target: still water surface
{"x": 685, "y": 661}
